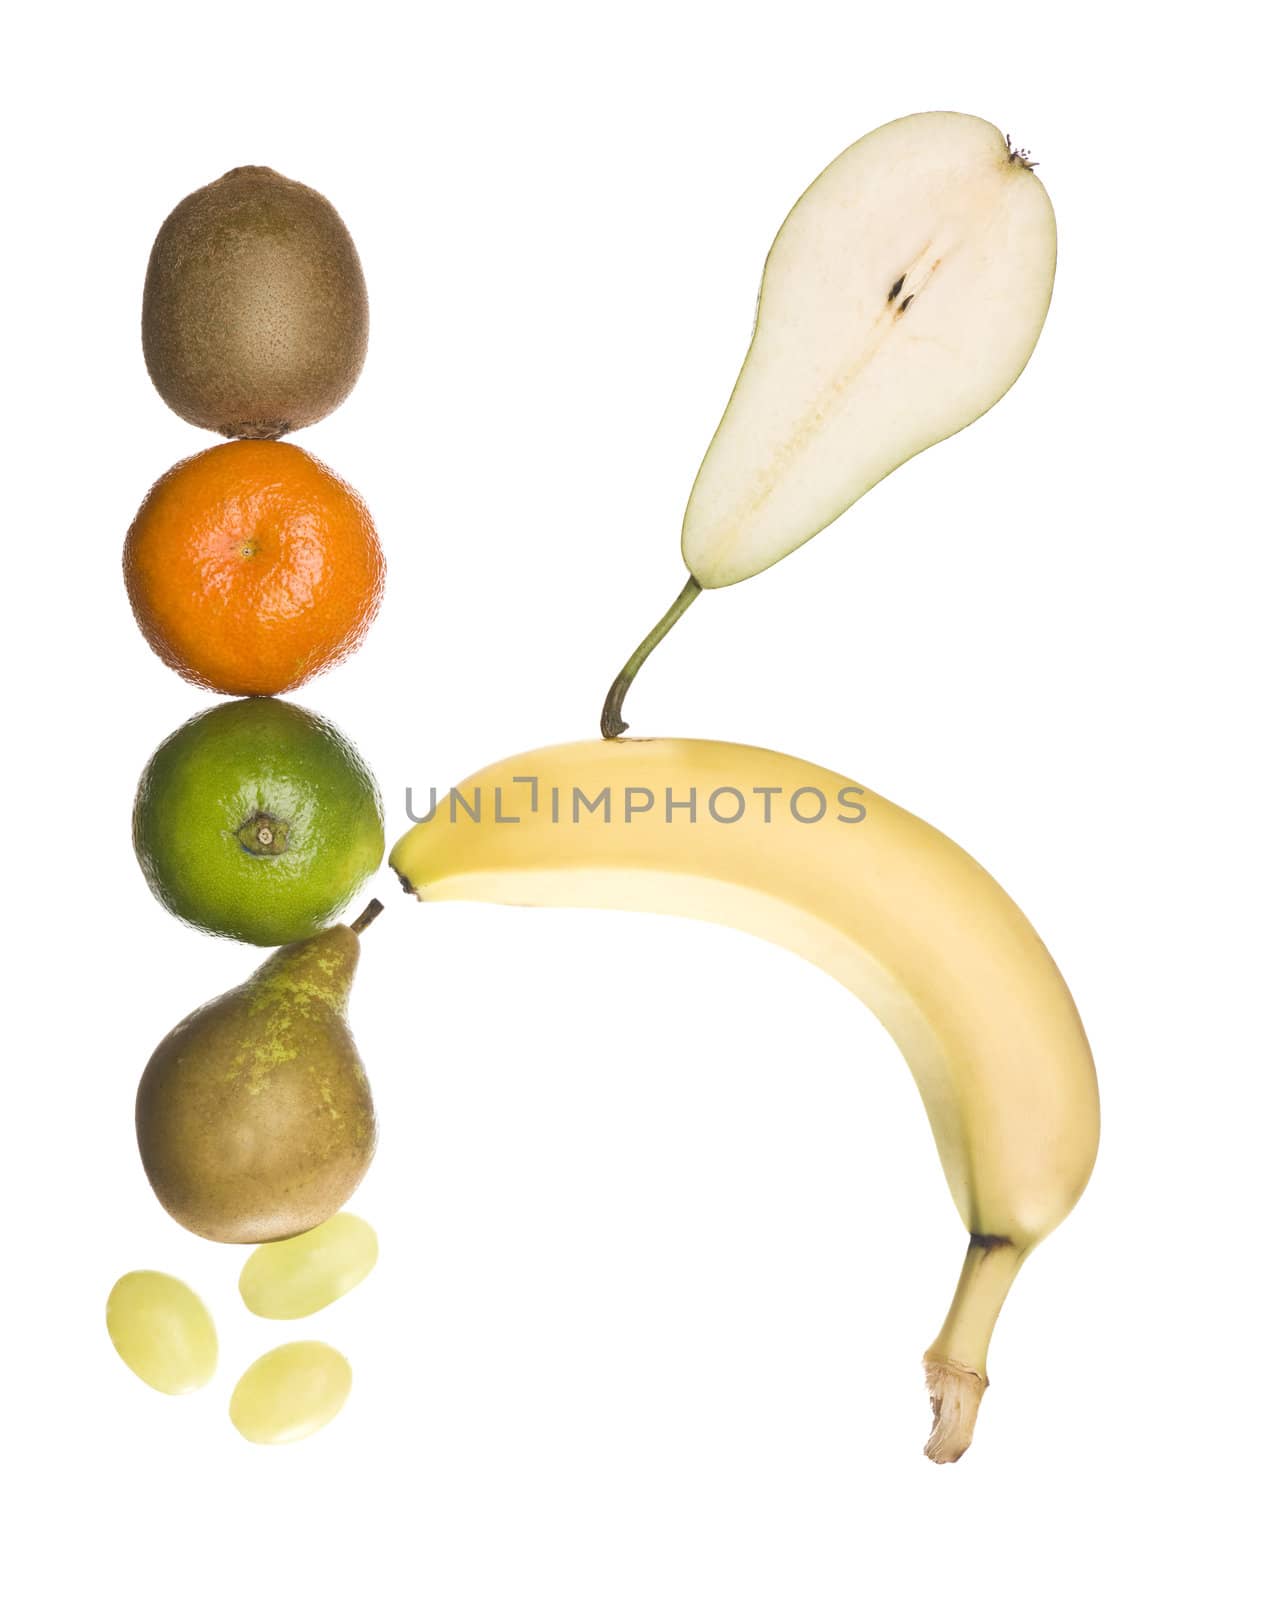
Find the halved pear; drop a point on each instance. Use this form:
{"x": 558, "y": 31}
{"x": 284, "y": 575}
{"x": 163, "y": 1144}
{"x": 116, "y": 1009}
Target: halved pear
{"x": 902, "y": 296}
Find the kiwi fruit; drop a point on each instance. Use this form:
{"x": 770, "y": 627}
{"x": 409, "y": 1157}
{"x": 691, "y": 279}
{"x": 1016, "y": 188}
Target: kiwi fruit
{"x": 255, "y": 317}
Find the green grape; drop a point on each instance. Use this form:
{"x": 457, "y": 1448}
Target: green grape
{"x": 162, "y": 1331}
{"x": 294, "y": 1277}
{"x": 290, "y": 1392}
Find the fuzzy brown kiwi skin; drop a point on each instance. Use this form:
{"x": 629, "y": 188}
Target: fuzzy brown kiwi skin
{"x": 255, "y": 314}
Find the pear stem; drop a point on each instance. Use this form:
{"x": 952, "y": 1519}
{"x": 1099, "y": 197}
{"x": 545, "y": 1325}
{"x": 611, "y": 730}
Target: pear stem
{"x": 612, "y": 723}
{"x": 369, "y": 915}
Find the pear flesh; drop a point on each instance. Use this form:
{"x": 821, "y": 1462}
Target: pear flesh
{"x": 254, "y": 1115}
{"x": 901, "y": 298}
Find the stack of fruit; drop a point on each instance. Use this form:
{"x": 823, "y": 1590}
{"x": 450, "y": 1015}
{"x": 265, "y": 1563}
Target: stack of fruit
{"x": 250, "y": 568}
{"x": 901, "y": 299}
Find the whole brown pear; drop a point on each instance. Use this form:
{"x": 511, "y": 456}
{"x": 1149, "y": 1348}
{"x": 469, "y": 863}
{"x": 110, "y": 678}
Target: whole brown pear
{"x": 254, "y": 1116}
{"x": 255, "y": 316}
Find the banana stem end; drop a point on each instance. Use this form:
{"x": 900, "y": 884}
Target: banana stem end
{"x": 956, "y": 1363}
{"x": 955, "y": 1393}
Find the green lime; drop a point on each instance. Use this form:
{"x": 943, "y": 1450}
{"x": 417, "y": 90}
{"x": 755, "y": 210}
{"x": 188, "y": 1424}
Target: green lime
{"x": 257, "y": 820}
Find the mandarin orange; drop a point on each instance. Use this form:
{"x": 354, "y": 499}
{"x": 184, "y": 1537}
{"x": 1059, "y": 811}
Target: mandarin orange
{"x": 251, "y": 567}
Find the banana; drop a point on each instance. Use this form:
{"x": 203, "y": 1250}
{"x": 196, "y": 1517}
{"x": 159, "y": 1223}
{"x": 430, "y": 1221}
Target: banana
{"x": 891, "y": 907}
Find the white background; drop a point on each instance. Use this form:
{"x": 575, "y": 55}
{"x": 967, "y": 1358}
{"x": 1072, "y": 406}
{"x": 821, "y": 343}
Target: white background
{"x": 663, "y": 1234}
